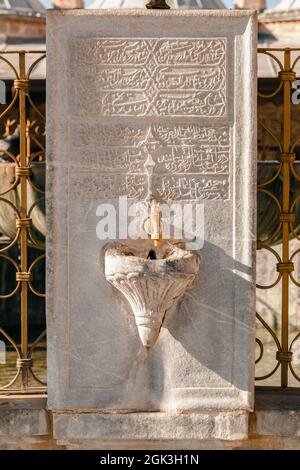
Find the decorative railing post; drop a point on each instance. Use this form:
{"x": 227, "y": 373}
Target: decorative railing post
{"x": 23, "y": 171}
{"x": 285, "y": 267}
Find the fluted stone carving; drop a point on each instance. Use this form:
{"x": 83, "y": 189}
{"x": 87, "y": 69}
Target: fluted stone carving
{"x": 151, "y": 286}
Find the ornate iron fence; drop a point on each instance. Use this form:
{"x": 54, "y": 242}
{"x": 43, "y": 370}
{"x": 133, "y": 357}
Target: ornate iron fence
{"x": 22, "y": 225}
{"x": 279, "y": 210}
{"x": 22, "y": 222}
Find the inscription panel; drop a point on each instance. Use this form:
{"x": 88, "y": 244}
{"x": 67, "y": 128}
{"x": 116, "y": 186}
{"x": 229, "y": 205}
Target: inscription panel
{"x": 140, "y": 79}
{"x": 152, "y": 77}
{"x": 189, "y": 161}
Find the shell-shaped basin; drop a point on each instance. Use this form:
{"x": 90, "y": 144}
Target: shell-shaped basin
{"x": 152, "y": 281}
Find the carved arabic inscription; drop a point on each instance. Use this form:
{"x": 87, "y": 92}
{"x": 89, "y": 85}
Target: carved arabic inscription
{"x": 152, "y": 77}
{"x": 190, "y": 161}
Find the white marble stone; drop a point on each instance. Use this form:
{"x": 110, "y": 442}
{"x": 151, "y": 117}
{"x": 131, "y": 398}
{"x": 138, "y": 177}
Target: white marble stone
{"x": 151, "y": 286}
{"x": 179, "y": 86}
{"x": 151, "y": 426}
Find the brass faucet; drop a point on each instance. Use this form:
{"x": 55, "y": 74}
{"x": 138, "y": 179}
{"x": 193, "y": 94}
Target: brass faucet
{"x": 154, "y": 222}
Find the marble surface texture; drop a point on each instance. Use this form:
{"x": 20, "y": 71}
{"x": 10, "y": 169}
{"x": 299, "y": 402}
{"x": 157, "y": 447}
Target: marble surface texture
{"x": 179, "y": 86}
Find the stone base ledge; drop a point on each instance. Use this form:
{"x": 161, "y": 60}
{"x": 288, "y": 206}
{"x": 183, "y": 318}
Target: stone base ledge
{"x": 25, "y": 424}
{"x": 276, "y": 423}
{"x": 28, "y": 443}
{"x": 253, "y": 443}
{"x": 150, "y": 426}
{"x": 132, "y": 445}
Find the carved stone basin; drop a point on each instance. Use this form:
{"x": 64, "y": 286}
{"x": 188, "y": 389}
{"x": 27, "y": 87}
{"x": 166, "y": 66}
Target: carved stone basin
{"x": 152, "y": 281}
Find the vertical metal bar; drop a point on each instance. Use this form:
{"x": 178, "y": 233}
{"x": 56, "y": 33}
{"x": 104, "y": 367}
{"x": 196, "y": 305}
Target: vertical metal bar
{"x": 23, "y": 213}
{"x": 27, "y": 140}
{"x": 285, "y": 209}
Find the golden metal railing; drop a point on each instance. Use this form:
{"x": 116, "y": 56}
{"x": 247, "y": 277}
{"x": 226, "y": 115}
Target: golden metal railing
{"x": 283, "y": 192}
{"x": 21, "y": 216}
{"x": 23, "y": 227}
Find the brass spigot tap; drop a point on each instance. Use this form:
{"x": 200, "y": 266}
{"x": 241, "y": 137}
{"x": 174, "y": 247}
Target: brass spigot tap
{"x": 154, "y": 222}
